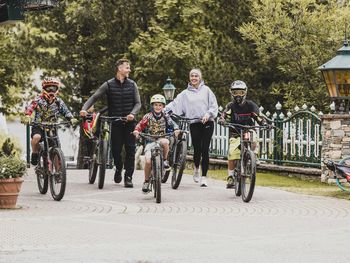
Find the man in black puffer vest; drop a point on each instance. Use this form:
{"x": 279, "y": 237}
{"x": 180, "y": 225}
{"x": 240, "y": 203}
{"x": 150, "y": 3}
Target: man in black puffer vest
{"x": 123, "y": 100}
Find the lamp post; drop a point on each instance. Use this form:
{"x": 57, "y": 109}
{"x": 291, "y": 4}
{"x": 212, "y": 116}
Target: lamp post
{"x": 335, "y": 135}
{"x": 169, "y": 90}
{"x": 336, "y": 74}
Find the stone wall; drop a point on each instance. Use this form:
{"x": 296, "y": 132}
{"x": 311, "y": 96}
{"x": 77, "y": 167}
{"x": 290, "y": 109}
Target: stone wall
{"x": 335, "y": 141}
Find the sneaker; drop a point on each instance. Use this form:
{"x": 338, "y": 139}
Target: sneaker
{"x": 166, "y": 166}
{"x": 145, "y": 187}
{"x": 34, "y": 158}
{"x": 117, "y": 176}
{"x": 196, "y": 175}
{"x": 203, "y": 181}
{"x": 128, "y": 182}
{"x": 230, "y": 182}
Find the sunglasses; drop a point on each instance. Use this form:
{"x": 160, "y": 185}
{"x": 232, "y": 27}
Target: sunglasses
{"x": 51, "y": 88}
{"x": 238, "y": 92}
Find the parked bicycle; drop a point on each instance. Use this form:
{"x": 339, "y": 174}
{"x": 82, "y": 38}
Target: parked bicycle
{"x": 157, "y": 164}
{"x": 245, "y": 172}
{"x": 51, "y": 167}
{"x": 341, "y": 173}
{"x": 178, "y": 151}
{"x": 101, "y": 158}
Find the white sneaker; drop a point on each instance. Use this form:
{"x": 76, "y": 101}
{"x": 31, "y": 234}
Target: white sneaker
{"x": 196, "y": 175}
{"x": 204, "y": 181}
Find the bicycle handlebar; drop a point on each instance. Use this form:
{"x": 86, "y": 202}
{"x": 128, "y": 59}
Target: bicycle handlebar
{"x": 113, "y": 118}
{"x": 48, "y": 124}
{"x": 234, "y": 125}
{"x": 155, "y": 137}
{"x": 184, "y": 118}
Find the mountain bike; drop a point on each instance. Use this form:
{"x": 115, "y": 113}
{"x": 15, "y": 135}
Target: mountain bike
{"x": 178, "y": 151}
{"x": 101, "y": 155}
{"x": 51, "y": 167}
{"x": 157, "y": 163}
{"x": 245, "y": 171}
{"x": 341, "y": 172}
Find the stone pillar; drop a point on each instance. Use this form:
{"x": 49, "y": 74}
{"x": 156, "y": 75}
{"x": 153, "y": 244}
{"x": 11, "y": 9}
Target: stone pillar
{"x": 335, "y": 140}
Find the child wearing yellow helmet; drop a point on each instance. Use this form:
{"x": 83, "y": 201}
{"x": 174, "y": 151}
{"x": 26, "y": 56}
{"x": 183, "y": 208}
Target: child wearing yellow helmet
{"x": 156, "y": 123}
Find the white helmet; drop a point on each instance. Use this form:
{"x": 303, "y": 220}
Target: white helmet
{"x": 158, "y": 98}
{"x": 238, "y": 91}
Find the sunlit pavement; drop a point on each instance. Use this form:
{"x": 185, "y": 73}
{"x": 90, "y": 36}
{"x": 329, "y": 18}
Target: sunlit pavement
{"x": 192, "y": 224}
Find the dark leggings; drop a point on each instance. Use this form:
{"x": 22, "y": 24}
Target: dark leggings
{"x": 201, "y": 135}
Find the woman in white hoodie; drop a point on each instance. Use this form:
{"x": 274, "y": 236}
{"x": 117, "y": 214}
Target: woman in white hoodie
{"x": 198, "y": 101}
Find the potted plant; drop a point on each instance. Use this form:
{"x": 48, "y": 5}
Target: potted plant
{"x": 12, "y": 169}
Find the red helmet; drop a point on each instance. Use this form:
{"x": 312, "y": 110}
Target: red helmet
{"x": 50, "y": 87}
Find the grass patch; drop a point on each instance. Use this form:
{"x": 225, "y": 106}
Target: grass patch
{"x": 274, "y": 180}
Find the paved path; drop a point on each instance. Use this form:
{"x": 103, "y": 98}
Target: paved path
{"x": 192, "y": 224}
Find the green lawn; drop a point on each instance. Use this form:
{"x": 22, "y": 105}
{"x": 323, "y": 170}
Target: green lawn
{"x": 297, "y": 185}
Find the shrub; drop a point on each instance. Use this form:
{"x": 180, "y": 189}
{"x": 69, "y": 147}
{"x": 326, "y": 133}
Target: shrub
{"x": 12, "y": 167}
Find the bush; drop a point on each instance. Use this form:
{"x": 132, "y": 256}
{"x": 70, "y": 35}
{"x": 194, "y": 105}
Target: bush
{"x": 12, "y": 167}
{"x": 8, "y": 143}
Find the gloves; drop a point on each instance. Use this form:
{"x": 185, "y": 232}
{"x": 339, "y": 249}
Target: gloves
{"x": 136, "y": 134}
{"x": 221, "y": 121}
{"x": 74, "y": 121}
{"x": 26, "y": 119}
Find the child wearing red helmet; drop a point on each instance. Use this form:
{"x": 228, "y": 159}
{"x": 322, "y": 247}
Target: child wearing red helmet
{"x": 46, "y": 107}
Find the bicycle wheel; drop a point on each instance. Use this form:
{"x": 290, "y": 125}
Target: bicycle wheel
{"x": 102, "y": 162}
{"x": 157, "y": 169}
{"x": 93, "y": 165}
{"x": 57, "y": 174}
{"x": 173, "y": 144}
{"x": 179, "y": 164}
{"x": 237, "y": 179}
{"x": 165, "y": 176}
{"x": 41, "y": 173}
{"x": 342, "y": 183}
{"x": 248, "y": 178}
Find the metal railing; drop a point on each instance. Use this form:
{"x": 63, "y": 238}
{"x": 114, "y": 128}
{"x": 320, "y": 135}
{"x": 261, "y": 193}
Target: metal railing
{"x": 296, "y": 140}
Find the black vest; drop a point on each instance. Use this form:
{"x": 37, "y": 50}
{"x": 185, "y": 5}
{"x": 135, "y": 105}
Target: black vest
{"x": 120, "y": 97}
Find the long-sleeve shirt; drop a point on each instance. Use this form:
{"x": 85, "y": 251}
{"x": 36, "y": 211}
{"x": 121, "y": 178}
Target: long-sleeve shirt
{"x": 103, "y": 91}
{"x": 195, "y": 103}
{"x": 45, "y": 111}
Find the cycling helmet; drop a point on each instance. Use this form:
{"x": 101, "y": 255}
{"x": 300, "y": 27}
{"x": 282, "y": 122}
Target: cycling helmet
{"x": 158, "y": 98}
{"x": 50, "y": 87}
{"x": 90, "y": 125}
{"x": 238, "y": 91}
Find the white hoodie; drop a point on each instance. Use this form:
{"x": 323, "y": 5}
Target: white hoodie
{"x": 195, "y": 103}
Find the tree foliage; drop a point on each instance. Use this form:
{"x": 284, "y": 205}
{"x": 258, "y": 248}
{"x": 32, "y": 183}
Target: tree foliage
{"x": 14, "y": 76}
{"x": 297, "y": 36}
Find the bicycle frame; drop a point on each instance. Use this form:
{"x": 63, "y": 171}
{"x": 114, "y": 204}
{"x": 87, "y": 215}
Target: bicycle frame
{"x": 246, "y": 168}
{"x": 105, "y": 129}
{"x": 46, "y": 169}
{"x": 156, "y": 154}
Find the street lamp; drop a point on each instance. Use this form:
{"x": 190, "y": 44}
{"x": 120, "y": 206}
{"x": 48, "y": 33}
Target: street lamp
{"x": 169, "y": 90}
{"x": 12, "y": 11}
{"x": 336, "y": 74}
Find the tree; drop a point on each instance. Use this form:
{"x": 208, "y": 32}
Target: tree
{"x": 297, "y": 36}
{"x": 79, "y": 41}
{"x": 13, "y": 80}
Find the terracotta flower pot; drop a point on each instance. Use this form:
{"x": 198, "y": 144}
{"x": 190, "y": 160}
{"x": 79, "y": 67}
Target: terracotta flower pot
{"x": 9, "y": 189}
